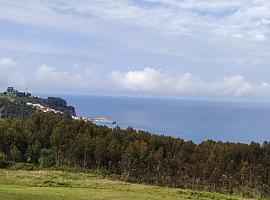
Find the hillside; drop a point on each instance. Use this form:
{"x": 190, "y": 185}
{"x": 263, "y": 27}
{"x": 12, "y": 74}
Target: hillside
{"x": 12, "y": 106}
{"x": 14, "y": 103}
{"x": 56, "y": 185}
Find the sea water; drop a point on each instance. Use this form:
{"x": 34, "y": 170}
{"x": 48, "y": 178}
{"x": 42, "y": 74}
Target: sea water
{"x": 195, "y": 120}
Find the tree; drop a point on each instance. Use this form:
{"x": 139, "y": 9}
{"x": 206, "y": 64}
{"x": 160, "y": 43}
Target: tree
{"x": 46, "y": 158}
{"x": 60, "y": 141}
{"x": 15, "y": 154}
{"x": 138, "y": 156}
{"x": 3, "y": 161}
{"x": 33, "y": 152}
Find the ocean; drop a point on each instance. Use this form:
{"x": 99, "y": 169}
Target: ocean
{"x": 195, "y": 120}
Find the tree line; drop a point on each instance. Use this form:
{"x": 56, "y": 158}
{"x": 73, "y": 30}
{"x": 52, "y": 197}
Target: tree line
{"x": 51, "y": 140}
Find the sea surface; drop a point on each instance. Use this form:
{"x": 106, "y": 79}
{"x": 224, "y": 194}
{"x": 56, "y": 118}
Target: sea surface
{"x": 195, "y": 120}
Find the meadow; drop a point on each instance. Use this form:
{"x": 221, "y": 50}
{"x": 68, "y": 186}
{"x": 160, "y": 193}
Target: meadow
{"x": 61, "y": 185}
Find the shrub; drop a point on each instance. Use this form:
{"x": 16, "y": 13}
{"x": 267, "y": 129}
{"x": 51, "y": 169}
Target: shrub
{"x": 23, "y": 166}
{"x": 46, "y": 158}
{"x": 15, "y": 153}
{"x": 3, "y": 161}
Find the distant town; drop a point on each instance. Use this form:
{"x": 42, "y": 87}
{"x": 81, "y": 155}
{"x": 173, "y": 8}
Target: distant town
{"x": 89, "y": 119}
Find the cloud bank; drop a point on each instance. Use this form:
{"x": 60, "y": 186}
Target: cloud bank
{"x": 146, "y": 82}
{"x": 157, "y": 82}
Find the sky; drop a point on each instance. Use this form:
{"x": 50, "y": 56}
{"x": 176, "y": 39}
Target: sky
{"x": 216, "y": 49}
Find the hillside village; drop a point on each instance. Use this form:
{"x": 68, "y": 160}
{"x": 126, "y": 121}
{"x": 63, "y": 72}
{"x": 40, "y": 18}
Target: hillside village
{"x": 43, "y": 108}
{"x": 13, "y": 98}
{"x": 26, "y": 104}
{"x": 86, "y": 119}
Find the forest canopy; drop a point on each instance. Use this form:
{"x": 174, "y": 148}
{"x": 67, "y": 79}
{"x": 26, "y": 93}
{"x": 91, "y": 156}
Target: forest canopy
{"x": 51, "y": 140}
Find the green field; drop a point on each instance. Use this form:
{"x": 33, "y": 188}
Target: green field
{"x": 48, "y": 185}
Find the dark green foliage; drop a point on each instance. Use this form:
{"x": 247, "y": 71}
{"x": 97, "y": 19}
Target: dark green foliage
{"x": 11, "y": 109}
{"x": 3, "y": 161}
{"x": 46, "y": 158}
{"x": 137, "y": 156}
{"x": 60, "y": 104}
{"x": 15, "y": 154}
{"x": 11, "y": 90}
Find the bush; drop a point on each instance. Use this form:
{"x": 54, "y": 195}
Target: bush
{"x": 265, "y": 190}
{"x": 249, "y": 192}
{"x": 15, "y": 154}
{"x": 3, "y": 161}
{"x": 23, "y": 166}
{"x": 46, "y": 158}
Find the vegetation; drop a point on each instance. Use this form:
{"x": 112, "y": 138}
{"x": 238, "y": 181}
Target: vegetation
{"x": 3, "y": 161}
{"x": 137, "y": 156}
{"x": 14, "y": 103}
{"x": 11, "y": 107}
{"x": 21, "y": 185}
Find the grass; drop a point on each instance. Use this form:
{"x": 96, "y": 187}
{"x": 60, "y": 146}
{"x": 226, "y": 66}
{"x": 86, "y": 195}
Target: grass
{"x": 61, "y": 185}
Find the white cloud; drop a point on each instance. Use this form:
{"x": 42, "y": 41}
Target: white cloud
{"x": 156, "y": 82}
{"x": 7, "y": 64}
{"x": 72, "y": 80}
{"x": 236, "y": 86}
{"x": 147, "y": 80}
{"x": 7, "y": 70}
{"x": 259, "y": 36}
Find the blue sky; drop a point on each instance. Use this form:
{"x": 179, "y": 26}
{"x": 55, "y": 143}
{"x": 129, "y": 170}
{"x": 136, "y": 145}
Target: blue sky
{"x": 170, "y": 48}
